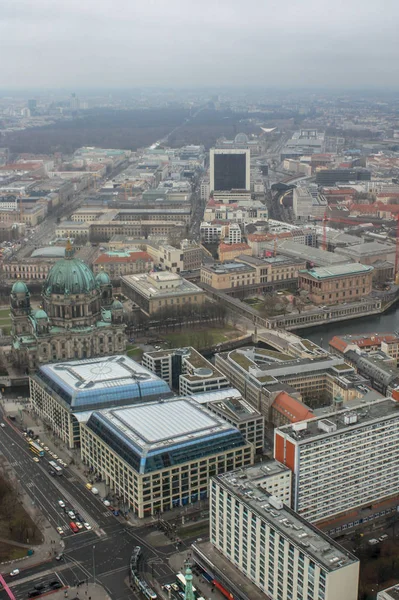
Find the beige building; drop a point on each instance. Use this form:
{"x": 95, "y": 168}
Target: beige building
{"x": 160, "y": 455}
{"x": 154, "y": 291}
{"x": 228, "y": 252}
{"x": 227, "y": 276}
{"x": 273, "y": 268}
{"x": 117, "y": 264}
{"x": 337, "y": 283}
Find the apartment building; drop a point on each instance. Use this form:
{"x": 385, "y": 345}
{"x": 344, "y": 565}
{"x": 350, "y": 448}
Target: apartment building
{"x": 343, "y": 462}
{"x": 391, "y": 593}
{"x": 337, "y": 283}
{"x": 387, "y": 342}
{"x": 185, "y": 370}
{"x": 275, "y": 548}
{"x": 160, "y": 455}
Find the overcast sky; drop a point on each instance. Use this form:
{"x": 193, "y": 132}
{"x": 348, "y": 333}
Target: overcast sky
{"x": 129, "y": 43}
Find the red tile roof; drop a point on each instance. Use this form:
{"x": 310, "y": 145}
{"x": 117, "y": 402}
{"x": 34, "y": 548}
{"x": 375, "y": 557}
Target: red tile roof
{"x": 292, "y": 409}
{"x": 229, "y": 247}
{"x": 364, "y": 342}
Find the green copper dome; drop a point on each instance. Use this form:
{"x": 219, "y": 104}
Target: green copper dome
{"x": 70, "y": 276}
{"x": 41, "y": 314}
{"x": 19, "y": 287}
{"x": 103, "y": 278}
{"x": 116, "y": 305}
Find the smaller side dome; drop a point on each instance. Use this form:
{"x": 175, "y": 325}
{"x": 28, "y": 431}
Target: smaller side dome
{"x": 241, "y": 138}
{"x": 103, "y": 278}
{"x": 19, "y": 287}
{"x": 41, "y": 314}
{"x": 116, "y": 305}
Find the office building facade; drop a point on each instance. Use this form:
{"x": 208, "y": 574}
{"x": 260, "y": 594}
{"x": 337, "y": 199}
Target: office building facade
{"x": 229, "y": 170}
{"x": 281, "y": 553}
{"x": 160, "y": 455}
{"x": 342, "y": 462}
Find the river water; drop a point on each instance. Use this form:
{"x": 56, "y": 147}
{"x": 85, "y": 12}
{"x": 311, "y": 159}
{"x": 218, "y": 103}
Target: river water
{"x": 385, "y": 323}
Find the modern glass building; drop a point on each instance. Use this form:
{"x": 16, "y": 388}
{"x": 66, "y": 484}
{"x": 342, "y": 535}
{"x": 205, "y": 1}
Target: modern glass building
{"x": 61, "y": 392}
{"x": 160, "y": 455}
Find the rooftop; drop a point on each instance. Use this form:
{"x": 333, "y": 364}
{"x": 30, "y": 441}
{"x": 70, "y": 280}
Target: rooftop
{"x": 269, "y": 364}
{"x": 146, "y": 284}
{"x": 101, "y": 382}
{"x": 163, "y": 433}
{"x": 228, "y": 267}
{"x": 315, "y": 255}
{"x": 347, "y": 419}
{"x": 367, "y": 249}
{"x": 391, "y": 593}
{"x": 325, "y": 551}
{"x": 49, "y": 252}
{"x": 236, "y": 408}
{"x": 363, "y": 340}
{"x": 337, "y": 271}
{"x": 291, "y": 408}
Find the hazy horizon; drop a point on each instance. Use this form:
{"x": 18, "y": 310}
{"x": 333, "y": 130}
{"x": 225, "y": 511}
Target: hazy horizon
{"x": 308, "y": 44}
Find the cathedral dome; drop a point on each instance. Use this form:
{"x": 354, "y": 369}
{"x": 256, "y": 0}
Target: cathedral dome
{"x": 116, "y": 305}
{"x": 41, "y": 314}
{"x": 69, "y": 276}
{"x": 103, "y": 278}
{"x": 19, "y": 287}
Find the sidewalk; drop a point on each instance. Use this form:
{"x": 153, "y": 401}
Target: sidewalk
{"x": 93, "y": 591}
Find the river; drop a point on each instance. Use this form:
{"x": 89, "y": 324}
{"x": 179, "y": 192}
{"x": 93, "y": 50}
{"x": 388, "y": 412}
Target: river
{"x": 385, "y": 323}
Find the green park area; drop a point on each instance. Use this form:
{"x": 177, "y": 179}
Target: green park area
{"x": 201, "y": 338}
{"x": 134, "y": 352}
{"x": 18, "y": 532}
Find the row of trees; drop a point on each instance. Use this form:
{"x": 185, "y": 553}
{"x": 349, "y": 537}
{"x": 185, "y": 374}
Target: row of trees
{"x": 174, "y": 318}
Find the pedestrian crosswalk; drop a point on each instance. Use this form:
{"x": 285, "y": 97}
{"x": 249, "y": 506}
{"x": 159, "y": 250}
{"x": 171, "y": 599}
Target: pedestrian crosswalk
{"x": 107, "y": 513}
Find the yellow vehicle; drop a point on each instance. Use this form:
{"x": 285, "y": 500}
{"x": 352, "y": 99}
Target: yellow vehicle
{"x": 88, "y": 486}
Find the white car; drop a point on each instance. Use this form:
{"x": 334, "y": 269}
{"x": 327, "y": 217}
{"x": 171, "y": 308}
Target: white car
{"x": 46, "y": 448}
{"x": 107, "y": 503}
{"x": 79, "y": 525}
{"x": 14, "y": 572}
{"x": 60, "y": 530}
{"x": 54, "y": 456}
{"x": 36, "y": 459}
{"x": 71, "y": 514}
{"x": 59, "y": 460}
{"x": 61, "y": 503}
{"x": 2, "y": 424}
{"x": 88, "y": 527}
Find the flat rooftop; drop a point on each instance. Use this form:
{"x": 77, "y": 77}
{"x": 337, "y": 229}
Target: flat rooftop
{"x": 301, "y": 533}
{"x": 346, "y": 419}
{"x": 236, "y": 408}
{"x": 267, "y": 364}
{"x": 142, "y": 284}
{"x": 338, "y": 271}
{"x": 101, "y": 382}
{"x": 315, "y": 255}
{"x": 228, "y": 267}
{"x": 164, "y": 424}
{"x": 390, "y": 593}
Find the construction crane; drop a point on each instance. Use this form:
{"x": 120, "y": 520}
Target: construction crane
{"x": 397, "y": 252}
{"x": 324, "y": 242}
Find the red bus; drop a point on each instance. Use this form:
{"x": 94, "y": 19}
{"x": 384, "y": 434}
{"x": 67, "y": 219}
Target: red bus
{"x": 74, "y": 527}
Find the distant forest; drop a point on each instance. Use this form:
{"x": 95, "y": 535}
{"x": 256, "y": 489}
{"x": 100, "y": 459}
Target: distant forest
{"x": 131, "y": 129}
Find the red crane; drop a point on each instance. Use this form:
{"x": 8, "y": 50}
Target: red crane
{"x": 324, "y": 242}
{"x": 397, "y": 252}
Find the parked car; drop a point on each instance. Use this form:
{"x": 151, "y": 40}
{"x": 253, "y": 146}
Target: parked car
{"x": 60, "y": 530}
{"x": 14, "y": 572}
{"x": 61, "y": 503}
{"x": 59, "y": 556}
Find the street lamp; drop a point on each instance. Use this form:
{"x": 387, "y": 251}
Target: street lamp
{"x": 94, "y": 566}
